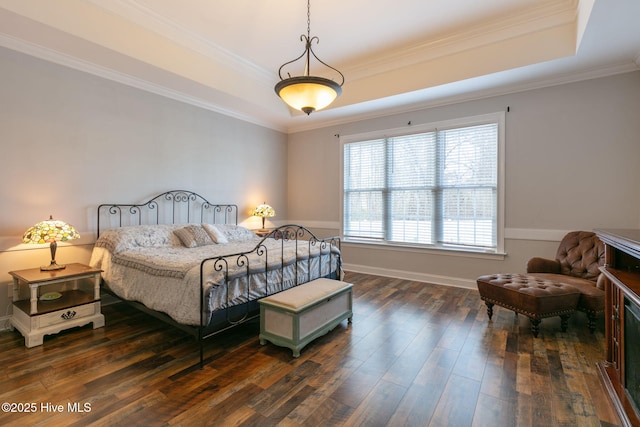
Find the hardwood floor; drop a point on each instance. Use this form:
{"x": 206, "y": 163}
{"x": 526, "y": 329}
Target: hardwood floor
{"x": 415, "y": 355}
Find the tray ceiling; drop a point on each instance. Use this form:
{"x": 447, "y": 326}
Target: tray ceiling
{"x": 224, "y": 55}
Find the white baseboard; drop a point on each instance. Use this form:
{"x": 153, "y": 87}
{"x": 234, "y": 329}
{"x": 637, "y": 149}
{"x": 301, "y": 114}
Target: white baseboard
{"x": 5, "y": 323}
{"x": 407, "y": 275}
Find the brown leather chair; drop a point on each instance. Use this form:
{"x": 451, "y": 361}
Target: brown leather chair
{"x": 578, "y": 258}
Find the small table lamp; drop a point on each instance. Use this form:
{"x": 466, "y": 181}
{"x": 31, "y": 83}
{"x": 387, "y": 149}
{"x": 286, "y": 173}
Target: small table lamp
{"x": 51, "y": 231}
{"x": 264, "y": 211}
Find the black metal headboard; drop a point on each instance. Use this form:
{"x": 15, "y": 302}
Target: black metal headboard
{"x": 171, "y": 207}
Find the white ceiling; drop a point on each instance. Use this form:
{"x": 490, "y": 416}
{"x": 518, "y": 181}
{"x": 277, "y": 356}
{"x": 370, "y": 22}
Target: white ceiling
{"x": 396, "y": 55}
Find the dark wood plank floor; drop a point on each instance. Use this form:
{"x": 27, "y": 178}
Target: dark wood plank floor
{"x": 415, "y": 355}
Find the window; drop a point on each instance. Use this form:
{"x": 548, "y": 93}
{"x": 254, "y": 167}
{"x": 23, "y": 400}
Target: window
{"x": 438, "y": 186}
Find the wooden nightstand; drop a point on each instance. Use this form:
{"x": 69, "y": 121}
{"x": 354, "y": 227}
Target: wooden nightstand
{"x": 39, "y": 311}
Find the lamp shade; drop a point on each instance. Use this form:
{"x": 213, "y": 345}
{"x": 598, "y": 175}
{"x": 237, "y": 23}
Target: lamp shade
{"x": 264, "y": 211}
{"x": 308, "y": 93}
{"x": 50, "y": 231}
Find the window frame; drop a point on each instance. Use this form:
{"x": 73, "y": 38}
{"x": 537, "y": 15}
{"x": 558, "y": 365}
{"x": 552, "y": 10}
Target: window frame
{"x": 496, "y": 117}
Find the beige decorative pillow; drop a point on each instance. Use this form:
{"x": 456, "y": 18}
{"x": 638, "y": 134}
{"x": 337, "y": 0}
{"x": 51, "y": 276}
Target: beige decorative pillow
{"x": 193, "y": 236}
{"x": 215, "y": 234}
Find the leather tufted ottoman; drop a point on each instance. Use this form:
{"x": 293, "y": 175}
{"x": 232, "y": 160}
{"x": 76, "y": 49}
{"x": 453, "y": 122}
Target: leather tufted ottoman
{"x": 534, "y": 297}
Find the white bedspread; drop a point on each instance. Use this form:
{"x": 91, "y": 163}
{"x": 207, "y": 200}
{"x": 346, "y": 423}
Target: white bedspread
{"x": 147, "y": 264}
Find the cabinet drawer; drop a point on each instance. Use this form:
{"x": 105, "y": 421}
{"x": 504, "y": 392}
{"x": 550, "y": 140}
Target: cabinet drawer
{"x": 61, "y": 316}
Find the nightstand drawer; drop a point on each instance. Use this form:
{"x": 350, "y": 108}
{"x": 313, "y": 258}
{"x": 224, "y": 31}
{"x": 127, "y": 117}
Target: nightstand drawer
{"x": 65, "y": 315}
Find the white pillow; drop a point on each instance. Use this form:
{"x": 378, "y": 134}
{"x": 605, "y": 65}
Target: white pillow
{"x": 215, "y": 234}
{"x": 236, "y": 233}
{"x": 139, "y": 236}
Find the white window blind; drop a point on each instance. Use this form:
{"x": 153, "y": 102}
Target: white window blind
{"x": 436, "y": 188}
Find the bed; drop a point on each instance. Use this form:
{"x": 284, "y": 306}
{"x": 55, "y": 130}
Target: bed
{"x": 186, "y": 261}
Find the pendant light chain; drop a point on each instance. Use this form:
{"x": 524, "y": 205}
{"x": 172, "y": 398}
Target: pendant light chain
{"x": 307, "y": 65}
{"x": 308, "y": 18}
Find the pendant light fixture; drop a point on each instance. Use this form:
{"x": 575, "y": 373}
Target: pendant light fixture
{"x": 308, "y": 93}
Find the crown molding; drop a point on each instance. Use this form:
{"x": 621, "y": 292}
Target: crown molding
{"x": 147, "y": 18}
{"x": 91, "y": 68}
{"x": 548, "y": 14}
{"x": 65, "y": 60}
{"x": 572, "y": 77}
{"x": 539, "y": 18}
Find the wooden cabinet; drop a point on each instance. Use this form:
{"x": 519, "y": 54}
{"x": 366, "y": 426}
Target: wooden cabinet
{"x": 620, "y": 371}
{"x": 47, "y": 302}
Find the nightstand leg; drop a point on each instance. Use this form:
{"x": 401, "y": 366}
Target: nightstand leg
{"x": 34, "y": 298}
{"x": 98, "y": 321}
{"x": 33, "y": 340}
{"x": 16, "y": 289}
{"x": 96, "y": 286}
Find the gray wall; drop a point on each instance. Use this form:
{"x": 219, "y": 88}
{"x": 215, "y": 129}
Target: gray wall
{"x": 572, "y": 163}
{"x": 70, "y": 141}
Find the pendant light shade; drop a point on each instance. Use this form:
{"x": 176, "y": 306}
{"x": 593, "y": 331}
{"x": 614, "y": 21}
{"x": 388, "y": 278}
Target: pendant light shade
{"x": 308, "y": 93}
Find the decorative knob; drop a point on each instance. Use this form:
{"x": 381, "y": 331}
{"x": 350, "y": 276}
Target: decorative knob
{"x": 68, "y": 315}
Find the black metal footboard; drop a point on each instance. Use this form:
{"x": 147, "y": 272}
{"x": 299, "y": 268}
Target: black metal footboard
{"x": 314, "y": 258}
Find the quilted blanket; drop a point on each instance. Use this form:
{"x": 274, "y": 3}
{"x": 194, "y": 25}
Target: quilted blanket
{"x": 149, "y": 264}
